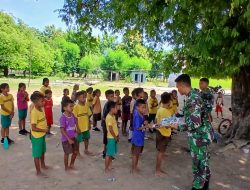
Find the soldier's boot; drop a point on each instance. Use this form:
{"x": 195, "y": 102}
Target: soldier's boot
{"x": 206, "y": 185}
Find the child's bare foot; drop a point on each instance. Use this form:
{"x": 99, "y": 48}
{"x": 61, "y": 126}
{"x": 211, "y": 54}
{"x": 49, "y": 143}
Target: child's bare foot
{"x": 88, "y": 153}
{"x": 79, "y": 156}
{"x": 45, "y": 167}
{"x": 66, "y": 168}
{"x": 40, "y": 174}
{"x": 72, "y": 167}
{"x": 160, "y": 173}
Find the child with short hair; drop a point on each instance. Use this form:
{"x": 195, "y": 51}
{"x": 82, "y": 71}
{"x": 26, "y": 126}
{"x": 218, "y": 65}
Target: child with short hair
{"x": 163, "y": 134}
{"x": 48, "y": 106}
{"x": 83, "y": 113}
{"x": 90, "y": 97}
{"x": 112, "y": 135}
{"x": 118, "y": 101}
{"x": 219, "y": 105}
{"x": 110, "y": 97}
{"x": 7, "y": 111}
{"x": 97, "y": 109}
{"x": 65, "y": 98}
{"x": 126, "y": 100}
{"x": 22, "y": 106}
{"x": 138, "y": 135}
{"x": 68, "y": 131}
{"x": 38, "y": 132}
{"x": 175, "y": 101}
{"x": 153, "y": 105}
{"x": 75, "y": 89}
{"x": 45, "y": 86}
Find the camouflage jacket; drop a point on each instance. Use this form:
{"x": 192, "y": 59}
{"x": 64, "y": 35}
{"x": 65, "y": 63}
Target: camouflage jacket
{"x": 198, "y": 132}
{"x": 207, "y": 103}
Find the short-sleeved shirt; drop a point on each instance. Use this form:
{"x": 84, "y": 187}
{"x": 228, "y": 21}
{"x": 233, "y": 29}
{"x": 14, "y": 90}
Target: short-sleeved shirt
{"x": 126, "y": 100}
{"x": 38, "y": 118}
{"x": 22, "y": 103}
{"x": 82, "y": 113}
{"x": 152, "y": 105}
{"x": 97, "y": 108}
{"x": 161, "y": 114}
{"x": 69, "y": 125}
{"x": 89, "y": 99}
{"x": 7, "y": 101}
{"x": 111, "y": 121}
{"x": 138, "y": 135}
{"x": 44, "y": 88}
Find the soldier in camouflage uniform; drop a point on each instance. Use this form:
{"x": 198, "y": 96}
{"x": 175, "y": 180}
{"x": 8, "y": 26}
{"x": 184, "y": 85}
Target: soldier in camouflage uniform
{"x": 199, "y": 136}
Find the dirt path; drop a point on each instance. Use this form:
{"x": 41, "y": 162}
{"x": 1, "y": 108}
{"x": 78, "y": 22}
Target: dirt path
{"x": 230, "y": 170}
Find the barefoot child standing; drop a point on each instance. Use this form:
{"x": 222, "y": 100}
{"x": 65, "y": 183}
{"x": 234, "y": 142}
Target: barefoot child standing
{"x": 83, "y": 113}
{"x": 48, "y": 106}
{"x": 126, "y": 100}
{"x": 97, "y": 109}
{"x": 138, "y": 133}
{"x": 162, "y": 134}
{"x": 113, "y": 135}
{"x": 219, "y": 105}
{"x": 68, "y": 130}
{"x": 38, "y": 131}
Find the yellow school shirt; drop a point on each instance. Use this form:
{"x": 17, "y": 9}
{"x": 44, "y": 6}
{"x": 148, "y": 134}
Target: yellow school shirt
{"x": 82, "y": 113}
{"x": 111, "y": 121}
{"x": 7, "y": 101}
{"x": 44, "y": 88}
{"x": 161, "y": 114}
{"x": 38, "y": 118}
{"x": 89, "y": 99}
{"x": 152, "y": 102}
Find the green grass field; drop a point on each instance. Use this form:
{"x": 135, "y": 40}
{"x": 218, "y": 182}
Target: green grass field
{"x": 36, "y": 83}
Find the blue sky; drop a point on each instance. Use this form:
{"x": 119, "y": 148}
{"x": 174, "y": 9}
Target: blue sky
{"x": 35, "y": 13}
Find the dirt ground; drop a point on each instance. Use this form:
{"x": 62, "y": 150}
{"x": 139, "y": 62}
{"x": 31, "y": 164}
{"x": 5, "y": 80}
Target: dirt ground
{"x": 230, "y": 170}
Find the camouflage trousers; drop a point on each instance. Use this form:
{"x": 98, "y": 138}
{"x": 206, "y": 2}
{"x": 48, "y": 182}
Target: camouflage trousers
{"x": 200, "y": 165}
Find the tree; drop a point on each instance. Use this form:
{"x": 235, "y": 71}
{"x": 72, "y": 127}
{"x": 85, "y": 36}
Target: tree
{"x": 71, "y": 54}
{"x": 211, "y": 38}
{"x": 90, "y": 64}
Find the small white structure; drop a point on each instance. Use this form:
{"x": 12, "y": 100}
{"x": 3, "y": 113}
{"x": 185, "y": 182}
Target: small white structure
{"x": 171, "y": 79}
{"x": 138, "y": 76}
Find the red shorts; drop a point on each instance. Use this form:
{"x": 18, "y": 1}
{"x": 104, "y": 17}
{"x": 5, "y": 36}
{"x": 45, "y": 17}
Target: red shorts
{"x": 218, "y": 108}
{"x": 125, "y": 116}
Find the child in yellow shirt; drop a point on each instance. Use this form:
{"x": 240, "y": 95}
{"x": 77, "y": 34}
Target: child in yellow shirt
{"x": 38, "y": 132}
{"x": 152, "y": 105}
{"x": 7, "y": 111}
{"x": 83, "y": 113}
{"x": 162, "y": 134}
{"x": 45, "y": 86}
{"x": 175, "y": 101}
{"x": 113, "y": 135}
{"x": 90, "y": 97}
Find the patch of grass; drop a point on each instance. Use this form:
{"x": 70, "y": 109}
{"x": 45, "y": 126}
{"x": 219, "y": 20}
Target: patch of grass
{"x": 225, "y": 83}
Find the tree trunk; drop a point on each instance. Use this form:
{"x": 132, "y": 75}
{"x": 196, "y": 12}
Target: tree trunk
{"x": 241, "y": 104}
{"x": 24, "y": 73}
{"x": 6, "y": 71}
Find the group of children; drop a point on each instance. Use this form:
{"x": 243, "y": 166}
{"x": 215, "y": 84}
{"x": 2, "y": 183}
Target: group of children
{"x": 84, "y": 108}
